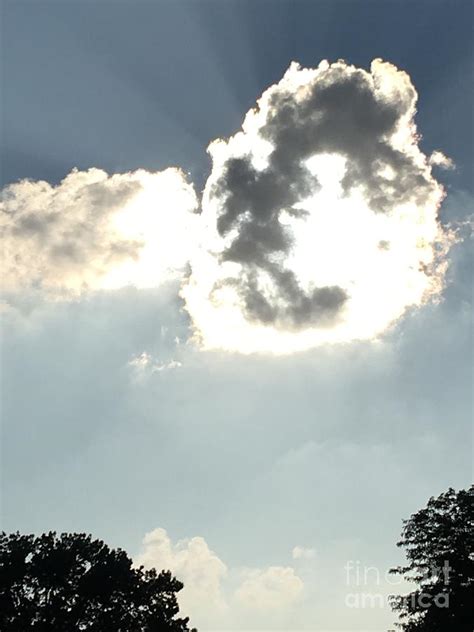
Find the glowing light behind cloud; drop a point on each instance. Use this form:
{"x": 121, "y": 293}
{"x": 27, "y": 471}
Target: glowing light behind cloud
{"x": 366, "y": 224}
{"x": 160, "y": 217}
{"x": 318, "y": 222}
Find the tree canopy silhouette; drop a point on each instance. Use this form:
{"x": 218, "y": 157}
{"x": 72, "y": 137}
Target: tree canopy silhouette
{"x": 439, "y": 547}
{"x": 70, "y": 582}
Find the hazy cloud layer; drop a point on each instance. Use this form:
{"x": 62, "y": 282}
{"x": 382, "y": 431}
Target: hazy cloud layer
{"x": 99, "y": 445}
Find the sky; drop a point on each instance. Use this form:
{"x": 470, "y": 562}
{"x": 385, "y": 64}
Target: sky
{"x": 237, "y": 290}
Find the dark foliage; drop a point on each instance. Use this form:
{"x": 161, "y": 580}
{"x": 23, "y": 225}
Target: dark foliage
{"x": 70, "y": 582}
{"x": 439, "y": 546}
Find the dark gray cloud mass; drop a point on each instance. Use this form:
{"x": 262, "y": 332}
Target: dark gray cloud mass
{"x": 340, "y": 110}
{"x": 261, "y": 196}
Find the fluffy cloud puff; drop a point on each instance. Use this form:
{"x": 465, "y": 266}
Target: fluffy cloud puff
{"x": 96, "y": 231}
{"x": 320, "y": 215}
{"x": 199, "y": 568}
{"x": 206, "y": 597}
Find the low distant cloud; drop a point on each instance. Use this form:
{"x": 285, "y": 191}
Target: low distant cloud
{"x": 270, "y": 589}
{"x": 195, "y": 564}
{"x": 318, "y": 223}
{"x": 214, "y": 595}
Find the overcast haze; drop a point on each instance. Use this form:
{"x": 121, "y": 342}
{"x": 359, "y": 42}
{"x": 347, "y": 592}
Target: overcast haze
{"x": 183, "y": 375}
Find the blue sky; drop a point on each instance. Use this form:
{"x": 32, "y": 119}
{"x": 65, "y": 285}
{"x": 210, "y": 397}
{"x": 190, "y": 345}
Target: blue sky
{"x": 114, "y": 423}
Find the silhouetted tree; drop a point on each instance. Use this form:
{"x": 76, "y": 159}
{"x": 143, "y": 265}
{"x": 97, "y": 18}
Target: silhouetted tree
{"x": 70, "y": 583}
{"x": 439, "y": 547}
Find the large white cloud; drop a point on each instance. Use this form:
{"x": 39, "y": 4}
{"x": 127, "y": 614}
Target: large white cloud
{"x": 96, "y": 231}
{"x": 320, "y": 215}
{"x": 318, "y": 224}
